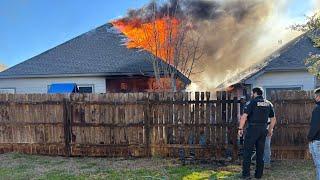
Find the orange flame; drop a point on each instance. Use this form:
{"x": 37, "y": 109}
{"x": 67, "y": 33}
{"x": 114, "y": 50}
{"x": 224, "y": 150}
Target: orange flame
{"x": 157, "y": 37}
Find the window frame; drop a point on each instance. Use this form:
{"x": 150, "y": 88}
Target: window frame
{"x": 280, "y": 87}
{"x": 86, "y": 85}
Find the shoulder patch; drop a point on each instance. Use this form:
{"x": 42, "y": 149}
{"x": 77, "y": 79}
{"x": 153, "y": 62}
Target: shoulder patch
{"x": 263, "y": 104}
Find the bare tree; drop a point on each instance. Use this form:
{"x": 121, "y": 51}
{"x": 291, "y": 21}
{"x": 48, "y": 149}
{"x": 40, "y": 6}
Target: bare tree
{"x": 174, "y": 40}
{"x": 181, "y": 53}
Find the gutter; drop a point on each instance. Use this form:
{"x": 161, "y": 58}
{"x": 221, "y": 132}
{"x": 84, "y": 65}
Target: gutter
{"x": 71, "y": 75}
{"x": 186, "y": 80}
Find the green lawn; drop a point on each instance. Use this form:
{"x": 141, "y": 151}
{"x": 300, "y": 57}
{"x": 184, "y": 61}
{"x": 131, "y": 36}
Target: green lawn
{"x": 19, "y": 166}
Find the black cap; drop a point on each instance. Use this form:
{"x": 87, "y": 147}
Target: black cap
{"x": 258, "y": 90}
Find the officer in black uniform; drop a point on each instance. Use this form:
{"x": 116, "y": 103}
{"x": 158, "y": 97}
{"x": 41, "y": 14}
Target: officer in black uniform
{"x": 256, "y": 112}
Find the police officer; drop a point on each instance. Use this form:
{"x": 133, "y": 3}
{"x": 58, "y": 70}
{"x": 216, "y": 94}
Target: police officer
{"x": 256, "y": 112}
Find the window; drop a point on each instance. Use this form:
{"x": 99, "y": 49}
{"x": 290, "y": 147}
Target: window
{"x": 7, "y": 90}
{"x": 269, "y": 90}
{"x": 86, "y": 88}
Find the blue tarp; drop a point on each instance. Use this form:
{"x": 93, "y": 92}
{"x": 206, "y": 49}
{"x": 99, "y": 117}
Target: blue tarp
{"x": 63, "y": 88}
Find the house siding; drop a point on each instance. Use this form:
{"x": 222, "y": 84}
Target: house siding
{"x": 285, "y": 79}
{"x": 40, "y": 85}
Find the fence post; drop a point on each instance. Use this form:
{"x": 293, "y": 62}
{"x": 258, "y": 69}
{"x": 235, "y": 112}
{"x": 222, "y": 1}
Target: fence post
{"x": 235, "y": 128}
{"x": 242, "y": 105}
{"x": 147, "y": 109}
{"x": 67, "y": 126}
{"x": 196, "y": 116}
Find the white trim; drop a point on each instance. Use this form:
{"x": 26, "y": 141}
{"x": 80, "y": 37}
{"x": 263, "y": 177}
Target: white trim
{"x": 145, "y": 73}
{"x": 86, "y": 85}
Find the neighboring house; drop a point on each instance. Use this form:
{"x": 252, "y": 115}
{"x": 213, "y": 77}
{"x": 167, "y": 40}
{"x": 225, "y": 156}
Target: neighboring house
{"x": 97, "y": 61}
{"x": 283, "y": 70}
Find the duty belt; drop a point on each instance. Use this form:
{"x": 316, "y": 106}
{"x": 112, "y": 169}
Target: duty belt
{"x": 258, "y": 124}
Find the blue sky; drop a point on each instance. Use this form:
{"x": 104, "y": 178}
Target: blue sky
{"x": 29, "y": 27}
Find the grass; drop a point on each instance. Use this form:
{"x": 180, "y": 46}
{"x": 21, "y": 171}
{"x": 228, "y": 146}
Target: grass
{"x": 19, "y": 166}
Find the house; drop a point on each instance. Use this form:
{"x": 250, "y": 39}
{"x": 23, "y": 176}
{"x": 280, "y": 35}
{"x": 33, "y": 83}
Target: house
{"x": 285, "y": 69}
{"x": 97, "y": 61}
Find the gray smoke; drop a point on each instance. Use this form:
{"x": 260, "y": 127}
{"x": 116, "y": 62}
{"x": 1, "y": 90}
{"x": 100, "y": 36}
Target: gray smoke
{"x": 196, "y": 9}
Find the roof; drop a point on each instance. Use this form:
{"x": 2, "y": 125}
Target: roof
{"x": 293, "y": 55}
{"x": 99, "y": 52}
{"x": 290, "y": 57}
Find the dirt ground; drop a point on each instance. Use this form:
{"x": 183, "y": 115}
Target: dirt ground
{"x": 19, "y": 166}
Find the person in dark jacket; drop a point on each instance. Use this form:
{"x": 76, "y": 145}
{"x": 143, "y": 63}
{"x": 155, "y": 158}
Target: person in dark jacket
{"x": 314, "y": 133}
{"x": 256, "y": 112}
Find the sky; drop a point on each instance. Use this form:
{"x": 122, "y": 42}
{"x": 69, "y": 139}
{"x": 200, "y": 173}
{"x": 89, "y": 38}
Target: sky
{"x": 30, "y": 27}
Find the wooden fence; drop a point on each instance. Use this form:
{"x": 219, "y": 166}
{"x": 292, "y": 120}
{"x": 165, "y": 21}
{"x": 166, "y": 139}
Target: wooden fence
{"x": 144, "y": 124}
{"x": 293, "y": 111}
{"x": 120, "y": 125}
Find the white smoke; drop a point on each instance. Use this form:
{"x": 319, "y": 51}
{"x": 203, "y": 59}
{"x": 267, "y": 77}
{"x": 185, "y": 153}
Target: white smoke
{"x": 315, "y": 5}
{"x": 2, "y": 67}
{"x": 271, "y": 34}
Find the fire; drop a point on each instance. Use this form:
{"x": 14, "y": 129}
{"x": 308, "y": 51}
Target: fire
{"x": 157, "y": 37}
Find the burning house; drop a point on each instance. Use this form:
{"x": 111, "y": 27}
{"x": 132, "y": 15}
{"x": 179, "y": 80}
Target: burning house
{"x": 156, "y": 47}
{"x": 98, "y": 61}
{"x": 228, "y": 34}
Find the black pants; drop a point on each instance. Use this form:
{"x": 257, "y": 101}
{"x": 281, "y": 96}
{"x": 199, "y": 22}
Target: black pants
{"x": 255, "y": 136}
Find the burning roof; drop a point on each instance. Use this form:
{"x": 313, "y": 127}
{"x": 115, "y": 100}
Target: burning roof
{"x": 151, "y": 36}
{"x": 229, "y": 32}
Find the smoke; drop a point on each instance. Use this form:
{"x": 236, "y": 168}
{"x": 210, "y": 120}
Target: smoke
{"x": 2, "y": 67}
{"x": 246, "y": 33}
{"x": 235, "y": 34}
{"x": 315, "y": 5}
